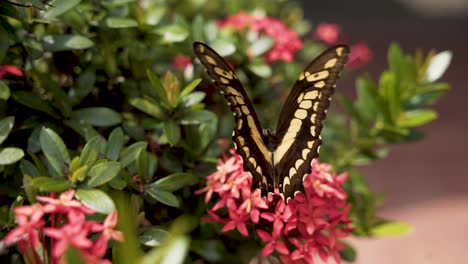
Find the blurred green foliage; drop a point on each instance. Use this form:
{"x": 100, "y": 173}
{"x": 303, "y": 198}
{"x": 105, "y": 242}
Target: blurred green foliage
{"x": 102, "y": 108}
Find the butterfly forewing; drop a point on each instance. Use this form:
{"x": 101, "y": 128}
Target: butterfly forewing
{"x": 300, "y": 121}
{"x": 247, "y": 132}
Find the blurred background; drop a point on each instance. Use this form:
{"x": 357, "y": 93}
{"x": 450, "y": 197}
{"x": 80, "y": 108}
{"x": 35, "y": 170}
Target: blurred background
{"x": 425, "y": 183}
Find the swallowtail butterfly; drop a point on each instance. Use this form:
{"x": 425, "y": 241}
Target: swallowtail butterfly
{"x": 279, "y": 159}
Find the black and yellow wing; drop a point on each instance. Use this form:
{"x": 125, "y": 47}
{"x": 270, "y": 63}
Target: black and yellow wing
{"x": 300, "y": 121}
{"x": 247, "y": 133}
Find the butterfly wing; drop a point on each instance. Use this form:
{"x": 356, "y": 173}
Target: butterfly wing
{"x": 247, "y": 132}
{"x": 300, "y": 121}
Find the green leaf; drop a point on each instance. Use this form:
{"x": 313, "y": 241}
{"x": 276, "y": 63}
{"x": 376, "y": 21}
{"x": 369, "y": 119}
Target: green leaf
{"x": 143, "y": 164}
{"x": 16, "y": 203}
{"x": 90, "y": 152}
{"x": 223, "y": 47}
{"x": 260, "y": 69}
{"x": 47, "y": 184}
{"x": 35, "y": 102}
{"x": 96, "y": 199}
{"x": 58, "y": 7}
{"x": 33, "y": 47}
{"x": 102, "y": 173}
{"x": 193, "y": 99}
{"x": 367, "y": 97}
{"x": 154, "y": 14}
{"x": 395, "y": 58}
{"x": 118, "y": 22}
{"x": 164, "y": 197}
{"x": 66, "y": 42}
{"x": 147, "y": 107}
{"x": 10, "y": 155}
{"x": 153, "y": 236}
{"x": 260, "y": 46}
{"x": 438, "y": 65}
{"x": 158, "y": 86}
{"x": 174, "y": 182}
{"x": 177, "y": 250}
{"x": 97, "y": 116}
{"x": 131, "y": 153}
{"x": 172, "y": 132}
{"x": 197, "y": 117}
{"x": 115, "y": 144}
{"x": 6, "y": 124}
{"x": 391, "y": 229}
{"x": 416, "y": 118}
{"x": 173, "y": 33}
{"x": 4, "y": 91}
{"x": 55, "y": 150}
{"x": 348, "y": 254}
{"x": 210, "y": 250}
{"x": 189, "y": 88}
{"x": 73, "y": 256}
{"x": 28, "y": 168}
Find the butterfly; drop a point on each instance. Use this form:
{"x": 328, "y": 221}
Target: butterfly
{"x": 279, "y": 159}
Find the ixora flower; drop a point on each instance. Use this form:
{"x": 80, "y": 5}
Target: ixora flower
{"x": 10, "y": 70}
{"x": 286, "y": 42}
{"x": 68, "y": 227}
{"x": 327, "y": 32}
{"x": 310, "y": 224}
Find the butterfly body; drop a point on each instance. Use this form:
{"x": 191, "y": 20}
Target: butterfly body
{"x": 279, "y": 160}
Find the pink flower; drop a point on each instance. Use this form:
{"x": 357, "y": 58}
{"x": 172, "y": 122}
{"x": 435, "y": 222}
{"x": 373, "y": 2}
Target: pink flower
{"x": 71, "y": 234}
{"x": 181, "y": 62}
{"x": 359, "y": 55}
{"x": 327, "y": 33}
{"x": 286, "y": 42}
{"x": 107, "y": 233}
{"x": 29, "y": 219}
{"x": 64, "y": 203}
{"x": 310, "y": 224}
{"x": 273, "y": 243}
{"x": 6, "y": 70}
{"x": 238, "y": 219}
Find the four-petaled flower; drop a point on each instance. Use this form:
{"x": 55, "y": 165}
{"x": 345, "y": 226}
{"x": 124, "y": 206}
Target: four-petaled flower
{"x": 311, "y": 223}
{"x": 286, "y": 41}
{"x": 327, "y": 32}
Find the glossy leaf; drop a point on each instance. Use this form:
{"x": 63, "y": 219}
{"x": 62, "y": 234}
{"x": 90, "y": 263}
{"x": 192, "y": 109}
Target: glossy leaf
{"x": 90, "y": 152}
{"x": 173, "y": 33}
{"x": 4, "y": 91}
{"x": 438, "y": 65}
{"x": 6, "y": 124}
{"x": 147, "y": 107}
{"x": 197, "y": 117}
{"x": 102, "y": 173}
{"x": 131, "y": 153}
{"x": 115, "y": 143}
{"x": 97, "y": 116}
{"x": 58, "y": 7}
{"x": 66, "y": 42}
{"x": 416, "y": 118}
{"x": 172, "y": 132}
{"x": 164, "y": 197}
{"x": 47, "y": 184}
{"x": 118, "y": 22}
{"x": 391, "y": 229}
{"x": 55, "y": 150}
{"x": 96, "y": 199}
{"x": 152, "y": 237}
{"x": 10, "y": 155}
{"x": 174, "y": 182}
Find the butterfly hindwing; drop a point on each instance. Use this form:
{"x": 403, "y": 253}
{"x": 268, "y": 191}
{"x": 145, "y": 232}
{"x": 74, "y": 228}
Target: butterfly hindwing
{"x": 300, "y": 121}
{"x": 247, "y": 131}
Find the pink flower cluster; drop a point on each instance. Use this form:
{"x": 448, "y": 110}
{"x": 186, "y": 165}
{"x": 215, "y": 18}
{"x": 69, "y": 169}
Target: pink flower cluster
{"x": 68, "y": 228}
{"x": 286, "y": 42}
{"x": 329, "y": 33}
{"x": 310, "y": 224}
